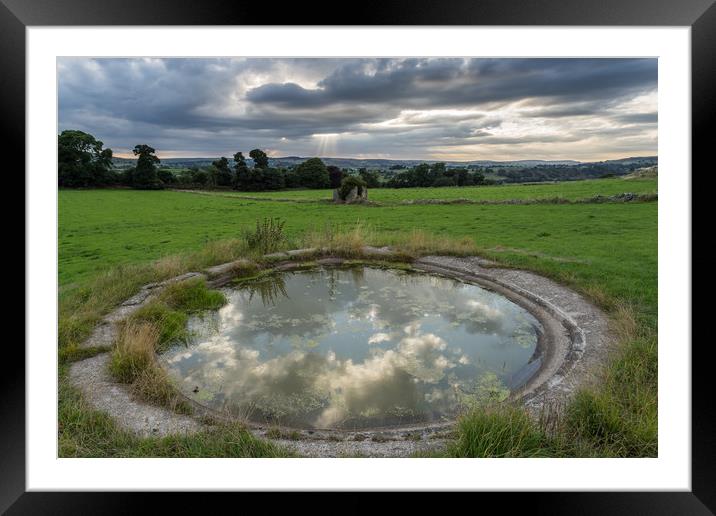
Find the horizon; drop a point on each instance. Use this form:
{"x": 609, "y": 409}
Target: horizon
{"x": 432, "y": 109}
{"x": 230, "y": 158}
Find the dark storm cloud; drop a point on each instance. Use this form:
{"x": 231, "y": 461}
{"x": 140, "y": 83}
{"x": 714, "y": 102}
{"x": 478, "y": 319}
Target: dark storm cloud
{"x": 375, "y": 107}
{"x": 456, "y": 82}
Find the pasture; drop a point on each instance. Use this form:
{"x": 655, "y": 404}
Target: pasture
{"x": 606, "y": 250}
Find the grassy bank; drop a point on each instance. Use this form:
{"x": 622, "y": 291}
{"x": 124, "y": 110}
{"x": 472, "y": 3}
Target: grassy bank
{"x": 606, "y": 251}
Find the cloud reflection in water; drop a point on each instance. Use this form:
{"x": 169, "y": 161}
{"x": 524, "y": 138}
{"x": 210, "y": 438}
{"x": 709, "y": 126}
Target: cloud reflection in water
{"x": 382, "y": 347}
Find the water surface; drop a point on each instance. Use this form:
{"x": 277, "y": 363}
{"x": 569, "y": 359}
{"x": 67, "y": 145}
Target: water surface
{"x": 355, "y": 348}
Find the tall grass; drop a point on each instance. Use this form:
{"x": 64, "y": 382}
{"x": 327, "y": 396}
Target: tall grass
{"x": 152, "y": 329}
{"x": 494, "y": 431}
{"x": 191, "y": 296}
{"x": 85, "y": 432}
{"x": 346, "y": 241}
{"x": 268, "y": 237}
{"x": 134, "y": 350}
{"x": 83, "y": 307}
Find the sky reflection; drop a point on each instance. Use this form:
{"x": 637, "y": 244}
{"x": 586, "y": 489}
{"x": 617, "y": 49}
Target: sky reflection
{"x": 342, "y": 348}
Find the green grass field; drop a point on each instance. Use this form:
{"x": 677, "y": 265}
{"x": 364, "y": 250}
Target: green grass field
{"x": 608, "y": 251}
{"x": 571, "y": 190}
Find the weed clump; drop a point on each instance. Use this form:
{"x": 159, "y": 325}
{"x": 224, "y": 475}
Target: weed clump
{"x": 268, "y": 237}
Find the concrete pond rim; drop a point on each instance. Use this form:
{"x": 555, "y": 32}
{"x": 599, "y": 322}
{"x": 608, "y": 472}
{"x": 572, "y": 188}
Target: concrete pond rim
{"x": 572, "y": 343}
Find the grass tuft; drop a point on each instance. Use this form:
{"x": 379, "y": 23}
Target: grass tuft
{"x": 134, "y": 350}
{"x": 498, "y": 432}
{"x": 192, "y": 296}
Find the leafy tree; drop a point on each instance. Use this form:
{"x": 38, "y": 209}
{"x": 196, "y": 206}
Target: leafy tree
{"x": 335, "y": 175}
{"x": 82, "y": 161}
{"x": 260, "y": 158}
{"x": 444, "y": 181}
{"x": 477, "y": 178}
{"x": 242, "y": 176}
{"x": 166, "y": 176}
{"x": 200, "y": 177}
{"x": 144, "y": 175}
{"x": 422, "y": 175}
{"x": 312, "y": 173}
{"x": 461, "y": 176}
{"x": 290, "y": 178}
{"x": 370, "y": 177}
{"x": 222, "y": 172}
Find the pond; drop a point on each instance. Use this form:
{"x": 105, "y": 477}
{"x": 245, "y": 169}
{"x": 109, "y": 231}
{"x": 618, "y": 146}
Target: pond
{"x": 352, "y": 348}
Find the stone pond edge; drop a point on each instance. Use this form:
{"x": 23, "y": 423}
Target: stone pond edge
{"x": 585, "y": 326}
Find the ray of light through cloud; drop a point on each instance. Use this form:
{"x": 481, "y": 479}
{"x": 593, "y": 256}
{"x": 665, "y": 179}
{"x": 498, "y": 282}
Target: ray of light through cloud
{"x": 432, "y": 109}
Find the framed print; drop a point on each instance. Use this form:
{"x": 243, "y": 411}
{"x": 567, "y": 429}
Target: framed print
{"x": 420, "y": 251}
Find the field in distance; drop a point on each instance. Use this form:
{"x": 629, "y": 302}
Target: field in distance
{"x": 571, "y": 190}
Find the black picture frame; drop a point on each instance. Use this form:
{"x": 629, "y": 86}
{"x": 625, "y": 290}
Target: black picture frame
{"x": 700, "y": 15}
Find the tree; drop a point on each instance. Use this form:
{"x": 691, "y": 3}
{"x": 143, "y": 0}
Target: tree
{"x": 82, "y": 161}
{"x": 200, "y": 177}
{"x": 144, "y": 175}
{"x": 444, "y": 181}
{"x": 370, "y": 178}
{"x": 461, "y": 176}
{"x": 241, "y": 177}
{"x": 312, "y": 173}
{"x": 166, "y": 176}
{"x": 260, "y": 158}
{"x": 335, "y": 175}
{"x": 422, "y": 175}
{"x": 222, "y": 173}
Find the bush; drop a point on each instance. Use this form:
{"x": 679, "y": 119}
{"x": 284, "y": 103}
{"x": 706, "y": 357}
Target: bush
{"x": 268, "y": 236}
{"x": 348, "y": 184}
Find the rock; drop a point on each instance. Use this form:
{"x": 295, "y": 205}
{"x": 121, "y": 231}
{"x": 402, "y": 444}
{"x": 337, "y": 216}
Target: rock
{"x": 353, "y": 196}
{"x": 300, "y": 253}
{"x": 227, "y": 268}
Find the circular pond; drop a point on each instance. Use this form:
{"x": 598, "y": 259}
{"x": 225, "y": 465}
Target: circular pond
{"x": 352, "y": 348}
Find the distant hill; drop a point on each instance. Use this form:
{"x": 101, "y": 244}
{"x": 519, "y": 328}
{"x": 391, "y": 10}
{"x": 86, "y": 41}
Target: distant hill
{"x": 645, "y": 172}
{"x": 384, "y": 164}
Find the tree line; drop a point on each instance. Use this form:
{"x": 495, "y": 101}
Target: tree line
{"x": 85, "y": 163}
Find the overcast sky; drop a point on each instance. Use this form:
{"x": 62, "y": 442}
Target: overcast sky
{"x": 442, "y": 108}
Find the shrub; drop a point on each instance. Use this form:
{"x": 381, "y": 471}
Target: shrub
{"x": 268, "y": 236}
